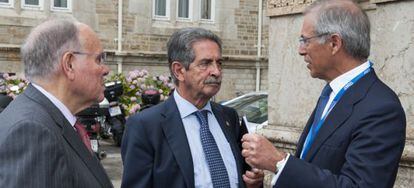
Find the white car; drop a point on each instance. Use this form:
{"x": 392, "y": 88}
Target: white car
{"x": 251, "y": 108}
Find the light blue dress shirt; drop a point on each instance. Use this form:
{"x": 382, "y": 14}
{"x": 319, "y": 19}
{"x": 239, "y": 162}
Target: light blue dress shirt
{"x": 202, "y": 178}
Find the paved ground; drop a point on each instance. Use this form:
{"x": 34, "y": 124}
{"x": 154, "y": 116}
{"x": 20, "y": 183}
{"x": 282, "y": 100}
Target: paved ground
{"x": 112, "y": 163}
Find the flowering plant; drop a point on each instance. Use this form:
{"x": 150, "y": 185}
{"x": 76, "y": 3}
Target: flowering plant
{"x": 12, "y": 85}
{"x": 136, "y": 82}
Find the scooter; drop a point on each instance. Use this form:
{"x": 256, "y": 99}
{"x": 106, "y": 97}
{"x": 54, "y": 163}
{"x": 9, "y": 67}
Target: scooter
{"x": 115, "y": 117}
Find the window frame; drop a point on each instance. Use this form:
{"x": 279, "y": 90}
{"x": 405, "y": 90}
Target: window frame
{"x": 212, "y": 12}
{"x": 61, "y": 9}
{"x": 190, "y": 11}
{"x": 10, "y": 4}
{"x": 167, "y": 11}
{"x": 32, "y": 7}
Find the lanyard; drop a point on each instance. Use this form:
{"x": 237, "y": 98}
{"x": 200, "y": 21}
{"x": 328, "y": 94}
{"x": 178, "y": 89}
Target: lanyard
{"x": 314, "y": 129}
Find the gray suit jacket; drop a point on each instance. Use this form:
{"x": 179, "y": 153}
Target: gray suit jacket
{"x": 39, "y": 148}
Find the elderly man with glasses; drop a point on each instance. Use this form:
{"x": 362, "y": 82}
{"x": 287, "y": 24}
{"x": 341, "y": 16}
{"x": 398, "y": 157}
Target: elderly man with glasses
{"x": 41, "y": 144}
{"x": 356, "y": 134}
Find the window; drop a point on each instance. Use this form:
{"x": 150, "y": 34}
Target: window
{"x": 161, "y": 8}
{"x": 61, "y": 5}
{"x": 32, "y": 4}
{"x": 183, "y": 8}
{"x": 207, "y": 9}
{"x": 6, "y": 3}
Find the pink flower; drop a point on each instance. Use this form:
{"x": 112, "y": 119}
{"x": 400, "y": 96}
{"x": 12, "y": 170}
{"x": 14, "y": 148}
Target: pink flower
{"x": 134, "y": 109}
{"x": 21, "y": 84}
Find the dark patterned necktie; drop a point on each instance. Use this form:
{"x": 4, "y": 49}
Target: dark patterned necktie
{"x": 216, "y": 166}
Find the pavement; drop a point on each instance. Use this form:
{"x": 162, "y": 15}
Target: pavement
{"x": 113, "y": 162}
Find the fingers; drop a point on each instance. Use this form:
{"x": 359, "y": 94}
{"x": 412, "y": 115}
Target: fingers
{"x": 253, "y": 177}
{"x": 248, "y": 137}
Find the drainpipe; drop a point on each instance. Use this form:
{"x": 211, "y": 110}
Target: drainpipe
{"x": 259, "y": 44}
{"x": 119, "y": 50}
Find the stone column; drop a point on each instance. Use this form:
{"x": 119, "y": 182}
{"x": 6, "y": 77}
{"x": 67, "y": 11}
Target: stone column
{"x": 293, "y": 93}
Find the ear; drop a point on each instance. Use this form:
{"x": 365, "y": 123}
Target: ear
{"x": 67, "y": 65}
{"x": 336, "y": 43}
{"x": 178, "y": 70}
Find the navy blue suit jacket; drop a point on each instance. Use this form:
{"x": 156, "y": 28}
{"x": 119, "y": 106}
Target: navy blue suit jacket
{"x": 359, "y": 145}
{"x": 155, "y": 150}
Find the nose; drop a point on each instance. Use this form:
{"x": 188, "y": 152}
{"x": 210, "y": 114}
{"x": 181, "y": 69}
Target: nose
{"x": 215, "y": 69}
{"x": 302, "y": 50}
{"x": 105, "y": 70}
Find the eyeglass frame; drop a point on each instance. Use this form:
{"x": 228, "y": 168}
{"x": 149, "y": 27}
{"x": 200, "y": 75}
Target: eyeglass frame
{"x": 305, "y": 40}
{"x": 101, "y": 57}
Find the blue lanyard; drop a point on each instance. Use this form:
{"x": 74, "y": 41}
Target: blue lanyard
{"x": 315, "y": 129}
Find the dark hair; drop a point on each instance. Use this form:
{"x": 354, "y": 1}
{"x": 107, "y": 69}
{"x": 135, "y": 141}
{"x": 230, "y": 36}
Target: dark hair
{"x": 180, "y": 46}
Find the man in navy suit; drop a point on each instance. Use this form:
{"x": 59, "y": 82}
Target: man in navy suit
{"x": 188, "y": 141}
{"x": 356, "y": 134}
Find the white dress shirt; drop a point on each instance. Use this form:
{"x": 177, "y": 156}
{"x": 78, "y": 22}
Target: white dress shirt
{"x": 62, "y": 108}
{"x": 202, "y": 178}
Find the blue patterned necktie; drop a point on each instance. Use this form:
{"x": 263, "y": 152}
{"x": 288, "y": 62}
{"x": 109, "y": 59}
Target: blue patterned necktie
{"x": 323, "y": 99}
{"x": 216, "y": 166}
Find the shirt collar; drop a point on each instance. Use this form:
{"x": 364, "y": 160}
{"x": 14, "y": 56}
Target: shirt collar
{"x": 65, "y": 111}
{"x": 185, "y": 107}
{"x": 338, "y": 83}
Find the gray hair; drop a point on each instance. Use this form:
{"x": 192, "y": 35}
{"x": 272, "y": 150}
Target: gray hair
{"x": 180, "y": 46}
{"x": 348, "y": 20}
{"x": 45, "y": 46}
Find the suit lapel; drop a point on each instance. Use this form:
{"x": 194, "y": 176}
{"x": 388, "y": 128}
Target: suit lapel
{"x": 69, "y": 134}
{"x": 304, "y": 134}
{"x": 341, "y": 112}
{"x": 90, "y": 160}
{"x": 174, "y": 132}
{"x": 226, "y": 126}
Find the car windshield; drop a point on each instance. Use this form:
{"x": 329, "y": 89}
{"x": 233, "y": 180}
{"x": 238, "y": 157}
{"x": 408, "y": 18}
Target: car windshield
{"x": 254, "y": 107}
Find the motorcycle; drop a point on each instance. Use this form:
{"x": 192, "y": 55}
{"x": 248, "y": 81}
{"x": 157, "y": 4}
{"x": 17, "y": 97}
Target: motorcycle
{"x": 91, "y": 118}
{"x": 115, "y": 118}
{"x": 149, "y": 98}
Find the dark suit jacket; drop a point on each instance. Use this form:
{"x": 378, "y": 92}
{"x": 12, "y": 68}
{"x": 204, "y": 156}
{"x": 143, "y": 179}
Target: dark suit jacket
{"x": 359, "y": 144}
{"x": 155, "y": 150}
{"x": 39, "y": 148}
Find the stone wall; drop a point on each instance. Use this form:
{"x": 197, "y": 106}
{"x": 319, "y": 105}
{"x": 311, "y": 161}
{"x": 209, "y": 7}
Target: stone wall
{"x": 144, "y": 38}
{"x": 293, "y": 93}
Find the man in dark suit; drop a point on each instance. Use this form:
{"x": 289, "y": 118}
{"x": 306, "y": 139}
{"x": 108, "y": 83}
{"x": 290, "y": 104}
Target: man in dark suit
{"x": 188, "y": 141}
{"x": 356, "y": 134}
{"x": 39, "y": 141}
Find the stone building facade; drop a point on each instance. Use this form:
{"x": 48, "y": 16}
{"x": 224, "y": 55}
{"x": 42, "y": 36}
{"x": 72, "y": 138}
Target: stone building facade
{"x": 293, "y": 93}
{"x": 135, "y": 35}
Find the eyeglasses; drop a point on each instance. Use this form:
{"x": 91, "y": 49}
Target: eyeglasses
{"x": 305, "y": 40}
{"x": 100, "y": 58}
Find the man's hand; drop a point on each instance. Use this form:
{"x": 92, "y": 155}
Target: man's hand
{"x": 253, "y": 178}
{"x": 260, "y": 152}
